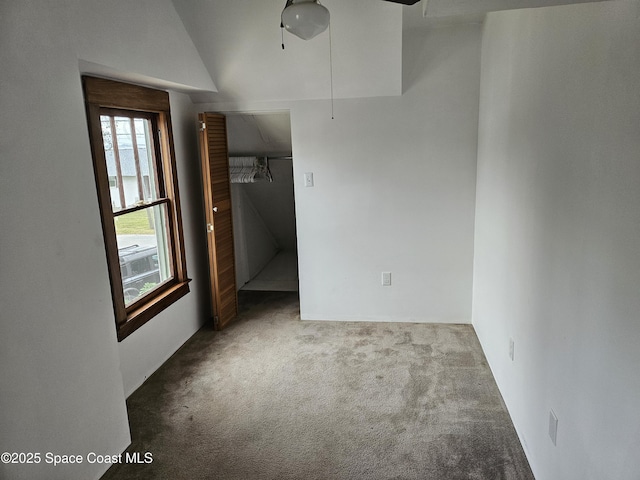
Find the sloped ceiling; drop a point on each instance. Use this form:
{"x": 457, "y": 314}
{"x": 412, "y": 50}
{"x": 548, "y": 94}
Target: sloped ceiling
{"x": 240, "y": 44}
{"x": 259, "y": 134}
{"x": 443, "y": 8}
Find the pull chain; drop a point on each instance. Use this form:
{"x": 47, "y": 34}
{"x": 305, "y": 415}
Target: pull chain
{"x": 331, "y": 69}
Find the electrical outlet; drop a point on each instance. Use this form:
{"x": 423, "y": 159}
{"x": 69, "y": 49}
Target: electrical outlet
{"x": 511, "y": 348}
{"x": 386, "y": 279}
{"x": 553, "y": 426}
{"x": 308, "y": 179}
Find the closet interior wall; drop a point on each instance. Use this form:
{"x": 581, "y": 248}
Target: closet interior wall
{"x": 263, "y": 212}
{"x": 264, "y": 231}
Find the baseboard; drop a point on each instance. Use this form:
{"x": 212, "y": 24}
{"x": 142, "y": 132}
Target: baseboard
{"x": 381, "y": 319}
{"x": 498, "y": 381}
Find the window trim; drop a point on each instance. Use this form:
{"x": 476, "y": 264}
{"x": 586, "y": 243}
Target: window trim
{"x": 102, "y": 94}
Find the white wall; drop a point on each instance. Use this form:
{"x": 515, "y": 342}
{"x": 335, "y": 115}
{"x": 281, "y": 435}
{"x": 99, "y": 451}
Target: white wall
{"x": 147, "y": 348}
{"x": 61, "y": 387}
{"x": 264, "y": 220}
{"x": 557, "y": 264}
{"x": 274, "y": 201}
{"x": 394, "y": 191}
{"x": 395, "y": 185}
{"x": 254, "y": 244}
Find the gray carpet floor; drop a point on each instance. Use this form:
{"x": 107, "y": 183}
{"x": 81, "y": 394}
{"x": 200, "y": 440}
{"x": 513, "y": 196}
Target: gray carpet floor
{"x": 273, "y": 397}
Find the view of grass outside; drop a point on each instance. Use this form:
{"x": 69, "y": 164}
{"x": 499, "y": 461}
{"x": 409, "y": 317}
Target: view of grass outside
{"x": 135, "y": 223}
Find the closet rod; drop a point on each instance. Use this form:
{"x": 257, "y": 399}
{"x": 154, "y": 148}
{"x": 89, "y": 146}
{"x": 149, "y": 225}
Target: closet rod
{"x": 263, "y": 156}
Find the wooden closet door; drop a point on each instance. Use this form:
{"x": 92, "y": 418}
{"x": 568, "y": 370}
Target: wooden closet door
{"x": 217, "y": 200}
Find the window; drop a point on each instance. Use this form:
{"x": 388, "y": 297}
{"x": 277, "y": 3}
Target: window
{"x": 134, "y": 164}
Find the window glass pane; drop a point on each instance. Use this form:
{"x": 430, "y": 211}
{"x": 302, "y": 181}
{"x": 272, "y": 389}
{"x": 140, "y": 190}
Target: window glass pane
{"x": 144, "y": 251}
{"x": 130, "y": 154}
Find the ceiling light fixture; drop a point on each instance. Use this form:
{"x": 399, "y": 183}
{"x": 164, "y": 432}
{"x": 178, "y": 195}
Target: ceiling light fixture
{"x": 304, "y": 18}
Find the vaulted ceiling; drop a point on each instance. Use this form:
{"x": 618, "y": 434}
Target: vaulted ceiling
{"x": 240, "y": 44}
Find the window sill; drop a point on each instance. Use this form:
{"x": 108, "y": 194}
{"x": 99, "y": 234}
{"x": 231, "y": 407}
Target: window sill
{"x": 141, "y": 315}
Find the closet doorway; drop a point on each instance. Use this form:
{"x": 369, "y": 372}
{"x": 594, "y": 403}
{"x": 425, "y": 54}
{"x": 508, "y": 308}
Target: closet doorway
{"x": 262, "y": 194}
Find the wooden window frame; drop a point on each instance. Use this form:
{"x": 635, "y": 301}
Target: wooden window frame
{"x": 102, "y": 95}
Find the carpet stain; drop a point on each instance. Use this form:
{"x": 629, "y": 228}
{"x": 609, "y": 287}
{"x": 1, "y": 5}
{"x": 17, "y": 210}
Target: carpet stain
{"x": 273, "y": 397}
{"x": 387, "y": 352}
{"x": 308, "y": 339}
